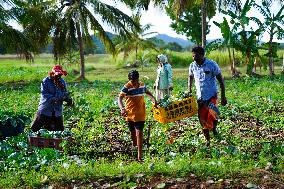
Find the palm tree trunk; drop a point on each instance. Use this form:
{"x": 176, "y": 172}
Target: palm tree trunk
{"x": 204, "y": 9}
{"x": 270, "y": 63}
{"x": 81, "y": 49}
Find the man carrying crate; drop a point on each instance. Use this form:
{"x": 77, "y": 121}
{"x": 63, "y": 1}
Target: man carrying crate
{"x": 205, "y": 72}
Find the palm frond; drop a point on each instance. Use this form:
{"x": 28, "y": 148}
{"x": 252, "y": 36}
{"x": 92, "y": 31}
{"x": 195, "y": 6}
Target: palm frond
{"x": 100, "y": 32}
{"x": 113, "y": 17}
{"x": 279, "y": 13}
{"x": 280, "y": 32}
{"x": 15, "y": 40}
{"x": 263, "y": 10}
{"x": 230, "y": 13}
{"x": 256, "y": 20}
{"x": 246, "y": 8}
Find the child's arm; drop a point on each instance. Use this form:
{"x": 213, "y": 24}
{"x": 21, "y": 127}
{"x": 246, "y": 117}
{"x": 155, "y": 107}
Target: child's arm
{"x": 120, "y": 105}
{"x": 152, "y": 97}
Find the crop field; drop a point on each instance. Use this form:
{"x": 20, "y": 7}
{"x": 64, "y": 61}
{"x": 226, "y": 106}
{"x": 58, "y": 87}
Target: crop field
{"x": 248, "y": 154}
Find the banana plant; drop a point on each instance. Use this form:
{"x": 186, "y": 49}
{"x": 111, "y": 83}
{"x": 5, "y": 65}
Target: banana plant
{"x": 245, "y": 38}
{"x": 273, "y": 24}
{"x": 227, "y": 42}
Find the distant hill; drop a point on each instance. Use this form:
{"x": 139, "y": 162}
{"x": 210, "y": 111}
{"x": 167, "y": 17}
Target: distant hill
{"x": 166, "y": 38}
{"x": 100, "y": 48}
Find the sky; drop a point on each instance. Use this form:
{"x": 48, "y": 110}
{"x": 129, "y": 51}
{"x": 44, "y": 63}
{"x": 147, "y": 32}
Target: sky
{"x": 161, "y": 22}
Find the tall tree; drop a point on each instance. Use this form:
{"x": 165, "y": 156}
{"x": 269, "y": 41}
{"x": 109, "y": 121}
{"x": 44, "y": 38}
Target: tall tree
{"x": 208, "y": 8}
{"x": 79, "y": 16}
{"x": 188, "y": 23}
{"x": 273, "y": 24}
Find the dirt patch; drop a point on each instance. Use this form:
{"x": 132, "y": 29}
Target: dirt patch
{"x": 259, "y": 179}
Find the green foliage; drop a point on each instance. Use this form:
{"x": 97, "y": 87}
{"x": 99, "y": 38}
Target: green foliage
{"x": 52, "y": 134}
{"x": 12, "y": 39}
{"x": 173, "y": 47}
{"x": 134, "y": 41}
{"x": 188, "y": 23}
{"x": 250, "y": 126}
{"x": 177, "y": 59}
{"x": 227, "y": 35}
{"x": 240, "y": 38}
{"x": 37, "y": 19}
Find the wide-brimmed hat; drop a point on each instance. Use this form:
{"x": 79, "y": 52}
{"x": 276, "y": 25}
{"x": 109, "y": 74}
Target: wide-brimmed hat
{"x": 162, "y": 58}
{"x": 57, "y": 70}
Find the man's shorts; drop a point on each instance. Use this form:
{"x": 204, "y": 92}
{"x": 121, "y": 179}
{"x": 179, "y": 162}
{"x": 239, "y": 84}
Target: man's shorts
{"x": 135, "y": 125}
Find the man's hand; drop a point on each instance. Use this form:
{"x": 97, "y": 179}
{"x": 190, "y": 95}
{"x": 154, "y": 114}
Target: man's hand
{"x": 187, "y": 93}
{"x": 154, "y": 87}
{"x": 123, "y": 112}
{"x": 69, "y": 101}
{"x": 223, "y": 101}
{"x": 156, "y": 103}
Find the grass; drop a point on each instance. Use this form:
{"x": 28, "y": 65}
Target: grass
{"x": 95, "y": 170}
{"x": 250, "y": 127}
{"x": 103, "y": 67}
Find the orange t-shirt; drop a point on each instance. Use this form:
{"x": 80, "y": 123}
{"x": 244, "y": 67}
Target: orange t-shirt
{"x": 135, "y": 104}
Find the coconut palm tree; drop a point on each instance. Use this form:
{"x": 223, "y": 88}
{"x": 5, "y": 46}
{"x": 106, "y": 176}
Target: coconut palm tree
{"x": 136, "y": 40}
{"x": 78, "y": 17}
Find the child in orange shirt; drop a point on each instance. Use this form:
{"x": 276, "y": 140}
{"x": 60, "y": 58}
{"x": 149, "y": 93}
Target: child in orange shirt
{"x": 135, "y": 110}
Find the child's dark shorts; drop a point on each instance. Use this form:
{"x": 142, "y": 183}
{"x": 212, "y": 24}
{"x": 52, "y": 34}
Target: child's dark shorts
{"x": 135, "y": 125}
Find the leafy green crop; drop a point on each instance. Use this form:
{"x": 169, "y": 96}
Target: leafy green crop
{"x": 250, "y": 126}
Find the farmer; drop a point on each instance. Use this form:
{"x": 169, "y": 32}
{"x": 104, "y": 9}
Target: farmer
{"x": 205, "y": 72}
{"x": 134, "y": 110}
{"x": 164, "y": 83}
{"x": 53, "y": 93}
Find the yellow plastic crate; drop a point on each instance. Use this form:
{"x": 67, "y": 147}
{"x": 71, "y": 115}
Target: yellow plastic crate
{"x": 176, "y": 110}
